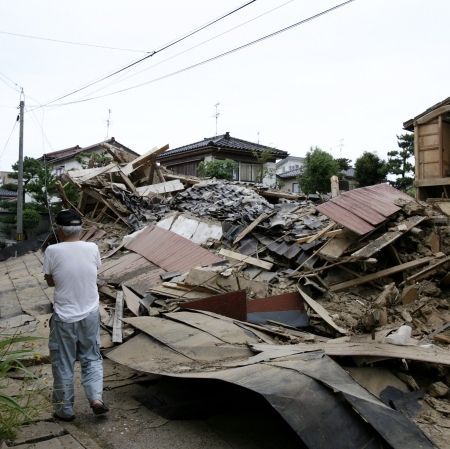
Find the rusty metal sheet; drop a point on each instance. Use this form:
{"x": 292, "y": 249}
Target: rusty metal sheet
{"x": 345, "y": 218}
{"x": 232, "y": 305}
{"x": 169, "y": 250}
{"x": 359, "y": 208}
{"x": 124, "y": 268}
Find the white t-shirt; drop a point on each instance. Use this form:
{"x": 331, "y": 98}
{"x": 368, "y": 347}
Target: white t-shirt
{"x": 73, "y": 266}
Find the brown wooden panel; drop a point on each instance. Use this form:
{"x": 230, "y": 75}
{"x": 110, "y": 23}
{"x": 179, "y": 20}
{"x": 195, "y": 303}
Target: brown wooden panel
{"x": 429, "y": 141}
{"x": 359, "y": 208}
{"x": 429, "y": 156}
{"x": 432, "y": 170}
{"x": 428, "y": 129}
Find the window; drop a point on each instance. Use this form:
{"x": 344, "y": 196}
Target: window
{"x": 249, "y": 172}
{"x": 59, "y": 170}
{"x": 295, "y": 187}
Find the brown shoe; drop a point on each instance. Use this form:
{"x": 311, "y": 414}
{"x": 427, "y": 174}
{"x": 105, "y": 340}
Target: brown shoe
{"x": 99, "y": 408}
{"x": 64, "y": 418}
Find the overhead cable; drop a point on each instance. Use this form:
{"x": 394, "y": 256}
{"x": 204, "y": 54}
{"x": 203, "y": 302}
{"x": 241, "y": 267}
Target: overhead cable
{"x": 153, "y": 53}
{"x": 60, "y": 41}
{"x": 125, "y": 77}
{"x": 213, "y": 58}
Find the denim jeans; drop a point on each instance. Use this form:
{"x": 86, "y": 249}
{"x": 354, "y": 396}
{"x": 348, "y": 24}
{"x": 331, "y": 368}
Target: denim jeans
{"x": 69, "y": 342}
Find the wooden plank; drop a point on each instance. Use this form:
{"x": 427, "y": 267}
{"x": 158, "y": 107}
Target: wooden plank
{"x": 118, "y": 317}
{"x": 337, "y": 246}
{"x": 143, "y": 159}
{"x": 247, "y": 259}
{"x": 365, "y": 349}
{"x": 127, "y": 181}
{"x": 321, "y": 312}
{"x": 99, "y": 197}
{"x": 430, "y": 182}
{"x": 131, "y": 300}
{"x": 328, "y": 234}
{"x": 321, "y": 233}
{"x": 251, "y": 226}
{"x": 380, "y": 274}
{"x": 427, "y": 271}
{"x": 387, "y": 238}
{"x": 160, "y": 188}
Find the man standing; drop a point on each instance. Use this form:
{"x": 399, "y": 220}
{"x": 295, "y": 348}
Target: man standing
{"x": 71, "y": 267}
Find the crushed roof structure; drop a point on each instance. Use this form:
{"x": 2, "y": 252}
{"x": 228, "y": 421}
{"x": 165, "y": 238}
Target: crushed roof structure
{"x": 68, "y": 153}
{"x": 278, "y": 294}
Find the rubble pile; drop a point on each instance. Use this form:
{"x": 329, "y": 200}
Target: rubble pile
{"x": 225, "y": 281}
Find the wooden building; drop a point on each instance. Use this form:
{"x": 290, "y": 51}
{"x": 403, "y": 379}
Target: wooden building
{"x": 432, "y": 151}
{"x": 186, "y": 159}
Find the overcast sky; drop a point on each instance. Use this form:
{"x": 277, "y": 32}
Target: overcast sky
{"x": 345, "y": 81}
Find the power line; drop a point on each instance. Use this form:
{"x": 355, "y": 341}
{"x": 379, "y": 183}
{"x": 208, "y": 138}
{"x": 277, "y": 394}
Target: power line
{"x": 189, "y": 49}
{"x": 9, "y": 137}
{"x": 6, "y": 80}
{"x": 213, "y": 58}
{"x": 153, "y": 53}
{"x": 60, "y": 41}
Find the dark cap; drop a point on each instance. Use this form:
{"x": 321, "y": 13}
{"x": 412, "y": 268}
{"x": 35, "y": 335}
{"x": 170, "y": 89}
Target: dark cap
{"x": 68, "y": 217}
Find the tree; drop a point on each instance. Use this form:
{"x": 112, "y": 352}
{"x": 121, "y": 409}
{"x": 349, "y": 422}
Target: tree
{"x": 262, "y": 157}
{"x": 92, "y": 160}
{"x": 38, "y": 181}
{"x": 344, "y": 163}
{"x": 217, "y": 168}
{"x": 318, "y": 168}
{"x": 370, "y": 169}
{"x": 399, "y": 161}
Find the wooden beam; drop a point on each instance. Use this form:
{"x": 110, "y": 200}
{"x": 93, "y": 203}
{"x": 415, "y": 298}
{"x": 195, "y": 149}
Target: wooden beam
{"x": 127, "y": 181}
{"x": 380, "y": 274}
{"x": 118, "y": 317}
{"x": 247, "y": 259}
{"x": 427, "y": 271}
{"x": 100, "y": 198}
{"x": 143, "y": 159}
{"x": 431, "y": 182}
{"x": 314, "y": 305}
{"x": 251, "y": 226}
{"x": 388, "y": 237}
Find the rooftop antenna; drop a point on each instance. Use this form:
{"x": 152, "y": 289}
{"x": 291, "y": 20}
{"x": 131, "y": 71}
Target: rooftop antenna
{"x": 216, "y": 115}
{"x": 108, "y": 123}
{"x": 341, "y": 146}
{"x": 258, "y": 137}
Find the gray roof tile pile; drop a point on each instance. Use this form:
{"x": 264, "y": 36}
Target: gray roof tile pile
{"x": 222, "y": 200}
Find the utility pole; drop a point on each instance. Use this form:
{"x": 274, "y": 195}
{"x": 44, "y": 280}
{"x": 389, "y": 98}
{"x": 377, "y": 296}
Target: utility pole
{"x": 19, "y": 231}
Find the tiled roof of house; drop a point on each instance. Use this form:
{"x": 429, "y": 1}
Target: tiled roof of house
{"x": 289, "y": 174}
{"x": 4, "y": 193}
{"x": 291, "y": 159}
{"x": 67, "y": 153}
{"x": 224, "y": 141}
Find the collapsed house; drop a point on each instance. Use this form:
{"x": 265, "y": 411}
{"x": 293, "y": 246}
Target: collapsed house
{"x": 326, "y": 307}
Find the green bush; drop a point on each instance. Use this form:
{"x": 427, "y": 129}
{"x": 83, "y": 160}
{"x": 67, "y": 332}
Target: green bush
{"x": 30, "y": 218}
{"x": 19, "y": 409}
{"x": 220, "y": 169}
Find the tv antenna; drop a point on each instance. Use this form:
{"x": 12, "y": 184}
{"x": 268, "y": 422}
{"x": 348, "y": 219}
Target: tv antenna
{"x": 108, "y": 123}
{"x": 216, "y": 115}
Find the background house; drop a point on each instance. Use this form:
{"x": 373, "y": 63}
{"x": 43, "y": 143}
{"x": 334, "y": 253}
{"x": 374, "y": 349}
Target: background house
{"x": 186, "y": 159}
{"x": 432, "y": 150}
{"x": 69, "y": 159}
{"x": 347, "y": 181}
{"x": 287, "y": 171}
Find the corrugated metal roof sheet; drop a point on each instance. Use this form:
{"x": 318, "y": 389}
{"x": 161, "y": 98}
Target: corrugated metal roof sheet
{"x": 169, "y": 250}
{"x": 361, "y": 210}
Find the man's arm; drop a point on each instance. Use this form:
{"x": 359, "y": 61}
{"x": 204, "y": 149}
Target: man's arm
{"x": 49, "y": 279}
